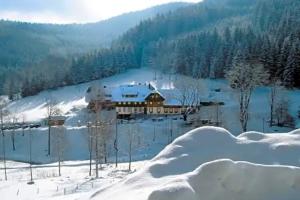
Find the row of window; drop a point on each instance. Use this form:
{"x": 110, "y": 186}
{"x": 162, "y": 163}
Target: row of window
{"x": 166, "y": 110}
{"x": 130, "y": 95}
{"x": 130, "y": 103}
{"x": 130, "y": 109}
{"x": 150, "y": 109}
{"x": 137, "y": 103}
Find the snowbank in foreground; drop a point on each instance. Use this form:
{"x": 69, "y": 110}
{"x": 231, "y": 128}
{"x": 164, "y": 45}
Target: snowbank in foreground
{"x": 193, "y": 167}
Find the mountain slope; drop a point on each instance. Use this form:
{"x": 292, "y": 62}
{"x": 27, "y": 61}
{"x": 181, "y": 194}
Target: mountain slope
{"x": 24, "y": 43}
{"x": 202, "y": 40}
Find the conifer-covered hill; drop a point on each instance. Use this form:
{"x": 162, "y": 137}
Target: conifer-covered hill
{"x": 26, "y": 43}
{"x": 200, "y": 40}
{"x": 203, "y": 40}
{"x": 206, "y": 39}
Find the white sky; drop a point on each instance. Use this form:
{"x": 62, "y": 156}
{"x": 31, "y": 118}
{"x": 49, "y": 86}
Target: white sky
{"x": 72, "y": 11}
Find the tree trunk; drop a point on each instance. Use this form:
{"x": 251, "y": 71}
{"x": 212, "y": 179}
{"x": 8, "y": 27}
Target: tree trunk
{"x": 13, "y": 140}
{"x": 49, "y": 138}
{"x": 4, "y": 155}
{"x": 130, "y": 149}
{"x": 97, "y": 158}
{"x": 116, "y": 143}
{"x": 91, "y": 154}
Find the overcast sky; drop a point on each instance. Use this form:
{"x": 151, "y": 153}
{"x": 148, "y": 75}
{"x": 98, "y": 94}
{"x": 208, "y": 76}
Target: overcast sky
{"x": 71, "y": 11}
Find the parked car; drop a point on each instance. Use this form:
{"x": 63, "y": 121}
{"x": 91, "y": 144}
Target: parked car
{"x": 37, "y": 125}
{"x": 160, "y": 119}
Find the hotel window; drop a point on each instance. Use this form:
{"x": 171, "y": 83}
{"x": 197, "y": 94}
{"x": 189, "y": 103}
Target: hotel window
{"x": 141, "y": 109}
{"x": 124, "y": 109}
{"x": 158, "y": 110}
{"x": 171, "y": 110}
{"x": 129, "y": 109}
{"x": 135, "y": 109}
{"x": 150, "y": 102}
{"x": 176, "y": 110}
{"x": 151, "y": 110}
{"x": 166, "y": 110}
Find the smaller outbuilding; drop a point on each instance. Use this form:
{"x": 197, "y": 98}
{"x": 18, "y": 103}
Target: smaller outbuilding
{"x": 57, "y": 120}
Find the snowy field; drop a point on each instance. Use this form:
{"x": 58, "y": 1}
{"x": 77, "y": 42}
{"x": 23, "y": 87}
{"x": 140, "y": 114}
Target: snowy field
{"x": 186, "y": 169}
{"x": 71, "y": 100}
{"x": 152, "y": 136}
{"x": 206, "y": 163}
{"x": 75, "y": 180}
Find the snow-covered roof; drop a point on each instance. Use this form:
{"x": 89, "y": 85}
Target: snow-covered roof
{"x": 58, "y": 118}
{"x": 139, "y": 92}
{"x": 171, "y": 97}
{"x": 131, "y": 93}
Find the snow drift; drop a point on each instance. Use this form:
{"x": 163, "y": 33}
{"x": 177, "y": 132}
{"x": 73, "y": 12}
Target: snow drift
{"x": 210, "y": 163}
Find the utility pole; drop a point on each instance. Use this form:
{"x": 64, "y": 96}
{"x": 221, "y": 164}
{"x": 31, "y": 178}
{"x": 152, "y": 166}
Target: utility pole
{"x": 89, "y": 126}
{"x": 97, "y": 151}
{"x": 116, "y": 141}
{"x": 171, "y": 130}
{"x": 3, "y": 145}
{"x": 30, "y": 157}
{"x": 98, "y": 125}
{"x": 130, "y": 146}
{"x": 218, "y": 114}
{"x": 154, "y": 131}
{"x": 263, "y": 124}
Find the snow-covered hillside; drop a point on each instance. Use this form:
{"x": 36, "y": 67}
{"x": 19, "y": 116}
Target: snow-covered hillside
{"x": 71, "y": 100}
{"x": 210, "y": 163}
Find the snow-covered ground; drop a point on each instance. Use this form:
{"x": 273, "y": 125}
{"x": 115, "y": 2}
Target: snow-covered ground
{"x": 210, "y": 163}
{"x": 206, "y": 163}
{"x": 71, "y": 100}
{"x": 150, "y": 138}
{"x": 75, "y": 180}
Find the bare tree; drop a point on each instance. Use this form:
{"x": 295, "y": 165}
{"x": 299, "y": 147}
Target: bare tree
{"x": 96, "y": 94}
{"x": 30, "y": 157}
{"x": 132, "y": 140}
{"x": 190, "y": 92}
{"x": 90, "y": 144}
{"x": 3, "y": 113}
{"x": 281, "y": 111}
{"x": 274, "y": 90}
{"x": 13, "y": 132}
{"x": 244, "y": 78}
{"x": 52, "y": 110}
{"x": 60, "y": 145}
{"x": 23, "y": 124}
{"x": 218, "y": 114}
{"x": 116, "y": 141}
